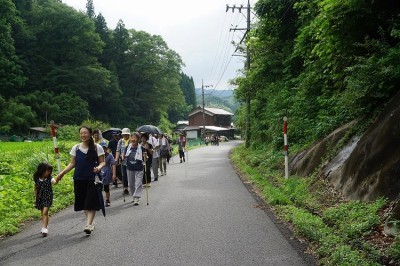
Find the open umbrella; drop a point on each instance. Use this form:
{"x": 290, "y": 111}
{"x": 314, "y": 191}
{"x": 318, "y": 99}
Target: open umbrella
{"x": 149, "y": 129}
{"x": 110, "y": 132}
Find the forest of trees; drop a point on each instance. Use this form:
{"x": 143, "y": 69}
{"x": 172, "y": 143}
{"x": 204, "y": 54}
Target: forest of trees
{"x": 320, "y": 62}
{"x": 60, "y": 64}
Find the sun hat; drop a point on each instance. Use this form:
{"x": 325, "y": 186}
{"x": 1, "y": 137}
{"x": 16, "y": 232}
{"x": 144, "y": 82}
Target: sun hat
{"x": 126, "y": 131}
{"x": 103, "y": 144}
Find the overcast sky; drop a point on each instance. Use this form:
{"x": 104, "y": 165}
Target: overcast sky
{"x": 199, "y": 31}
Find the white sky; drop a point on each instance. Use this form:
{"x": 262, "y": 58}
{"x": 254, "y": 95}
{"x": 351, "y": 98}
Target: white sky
{"x": 197, "y": 30}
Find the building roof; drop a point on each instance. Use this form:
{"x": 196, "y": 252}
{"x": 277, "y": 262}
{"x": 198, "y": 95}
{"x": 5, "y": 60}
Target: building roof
{"x": 209, "y": 128}
{"x": 210, "y": 111}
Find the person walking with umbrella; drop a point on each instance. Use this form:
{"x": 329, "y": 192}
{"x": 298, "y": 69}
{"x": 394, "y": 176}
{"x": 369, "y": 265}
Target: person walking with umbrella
{"x": 135, "y": 155}
{"x": 120, "y": 153}
{"x": 88, "y": 159}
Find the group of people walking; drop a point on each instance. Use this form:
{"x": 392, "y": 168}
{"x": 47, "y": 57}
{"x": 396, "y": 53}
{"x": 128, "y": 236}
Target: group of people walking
{"x": 128, "y": 158}
{"x": 213, "y": 139}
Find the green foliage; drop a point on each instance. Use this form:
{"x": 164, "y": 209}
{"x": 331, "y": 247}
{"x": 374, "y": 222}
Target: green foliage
{"x": 95, "y": 124}
{"x": 11, "y": 76}
{"x": 16, "y": 182}
{"x": 394, "y": 250}
{"x": 335, "y": 230}
{"x": 187, "y": 86}
{"x": 67, "y": 66}
{"x": 322, "y": 63}
{"x": 342, "y": 217}
{"x": 68, "y": 132}
{"x": 165, "y": 125}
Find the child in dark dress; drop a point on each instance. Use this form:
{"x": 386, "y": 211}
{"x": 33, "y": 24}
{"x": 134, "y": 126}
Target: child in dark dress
{"x": 44, "y": 192}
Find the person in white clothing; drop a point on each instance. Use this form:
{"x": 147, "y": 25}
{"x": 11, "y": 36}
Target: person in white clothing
{"x": 156, "y": 154}
{"x": 135, "y": 155}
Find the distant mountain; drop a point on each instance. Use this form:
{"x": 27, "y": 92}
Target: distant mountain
{"x": 218, "y": 99}
{"x": 217, "y": 93}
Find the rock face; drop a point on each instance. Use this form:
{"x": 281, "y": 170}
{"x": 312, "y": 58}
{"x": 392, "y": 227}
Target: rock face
{"x": 366, "y": 168}
{"x": 306, "y": 162}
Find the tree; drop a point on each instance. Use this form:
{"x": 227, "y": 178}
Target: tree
{"x": 188, "y": 89}
{"x": 152, "y": 76}
{"x": 90, "y": 9}
{"x": 15, "y": 117}
{"x": 11, "y": 76}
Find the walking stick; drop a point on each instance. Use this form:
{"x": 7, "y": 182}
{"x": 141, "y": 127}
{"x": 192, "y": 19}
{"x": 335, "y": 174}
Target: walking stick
{"x": 145, "y": 177}
{"x": 122, "y": 172}
{"x": 56, "y": 150}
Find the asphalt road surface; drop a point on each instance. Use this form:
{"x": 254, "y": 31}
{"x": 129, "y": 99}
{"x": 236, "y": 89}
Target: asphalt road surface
{"x": 200, "y": 213}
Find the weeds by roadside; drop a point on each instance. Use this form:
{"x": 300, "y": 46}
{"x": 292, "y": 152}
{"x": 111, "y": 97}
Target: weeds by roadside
{"x": 338, "y": 231}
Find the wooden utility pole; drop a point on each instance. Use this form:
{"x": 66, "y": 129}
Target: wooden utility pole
{"x": 204, "y": 116}
{"x": 247, "y": 66}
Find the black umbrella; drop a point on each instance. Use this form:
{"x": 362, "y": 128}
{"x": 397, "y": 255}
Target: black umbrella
{"x": 99, "y": 187}
{"x": 149, "y": 129}
{"x": 110, "y": 132}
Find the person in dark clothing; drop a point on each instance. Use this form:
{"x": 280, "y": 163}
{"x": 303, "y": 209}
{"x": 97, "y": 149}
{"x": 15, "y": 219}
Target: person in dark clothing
{"x": 87, "y": 158}
{"x": 112, "y": 145}
{"x": 148, "y": 148}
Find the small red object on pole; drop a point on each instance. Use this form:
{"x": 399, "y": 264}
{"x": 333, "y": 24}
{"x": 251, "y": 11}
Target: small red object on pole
{"x": 56, "y": 150}
{"x": 286, "y": 147}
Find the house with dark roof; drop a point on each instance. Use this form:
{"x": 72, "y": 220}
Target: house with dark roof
{"x": 215, "y": 122}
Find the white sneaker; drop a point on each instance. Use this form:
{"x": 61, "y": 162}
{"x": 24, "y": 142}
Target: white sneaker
{"x": 92, "y": 227}
{"x": 44, "y": 231}
{"x": 88, "y": 229}
{"x": 136, "y": 202}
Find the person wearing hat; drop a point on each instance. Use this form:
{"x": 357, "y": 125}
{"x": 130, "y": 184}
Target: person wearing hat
{"x": 120, "y": 153}
{"x": 108, "y": 173}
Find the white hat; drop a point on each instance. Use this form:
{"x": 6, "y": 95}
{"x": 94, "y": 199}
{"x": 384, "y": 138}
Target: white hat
{"x": 126, "y": 131}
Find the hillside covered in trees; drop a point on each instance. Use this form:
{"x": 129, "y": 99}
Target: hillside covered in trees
{"x": 60, "y": 64}
{"x": 323, "y": 63}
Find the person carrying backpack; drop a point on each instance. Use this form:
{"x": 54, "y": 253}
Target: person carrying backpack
{"x": 164, "y": 150}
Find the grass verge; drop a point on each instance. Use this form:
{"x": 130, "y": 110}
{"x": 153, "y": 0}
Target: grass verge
{"x": 339, "y": 232}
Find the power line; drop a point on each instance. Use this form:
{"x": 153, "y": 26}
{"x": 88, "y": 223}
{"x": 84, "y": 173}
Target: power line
{"x": 224, "y": 53}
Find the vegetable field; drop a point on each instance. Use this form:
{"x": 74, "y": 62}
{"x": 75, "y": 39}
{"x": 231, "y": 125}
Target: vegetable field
{"x": 18, "y": 161}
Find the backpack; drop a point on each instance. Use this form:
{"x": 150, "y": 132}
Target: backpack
{"x": 133, "y": 164}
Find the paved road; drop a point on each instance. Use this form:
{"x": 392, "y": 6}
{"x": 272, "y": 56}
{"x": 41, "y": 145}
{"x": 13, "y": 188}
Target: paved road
{"x": 200, "y": 213}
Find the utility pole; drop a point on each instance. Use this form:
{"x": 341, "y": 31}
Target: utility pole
{"x": 247, "y": 66}
{"x": 204, "y": 117}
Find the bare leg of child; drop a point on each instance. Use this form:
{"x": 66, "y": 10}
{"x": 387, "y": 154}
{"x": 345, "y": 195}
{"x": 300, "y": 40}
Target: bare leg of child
{"x": 45, "y": 220}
